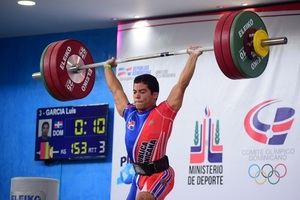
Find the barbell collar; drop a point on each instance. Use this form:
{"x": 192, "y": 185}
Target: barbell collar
{"x": 274, "y": 41}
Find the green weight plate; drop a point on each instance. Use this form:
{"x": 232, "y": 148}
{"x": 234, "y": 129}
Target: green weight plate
{"x": 250, "y": 68}
{"x": 233, "y": 70}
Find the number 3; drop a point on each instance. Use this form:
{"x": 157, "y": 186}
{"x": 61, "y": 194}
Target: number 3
{"x": 102, "y": 146}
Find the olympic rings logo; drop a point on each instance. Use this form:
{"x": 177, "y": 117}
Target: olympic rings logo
{"x": 267, "y": 172}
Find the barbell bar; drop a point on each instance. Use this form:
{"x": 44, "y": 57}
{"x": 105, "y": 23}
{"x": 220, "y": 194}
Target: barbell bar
{"x": 76, "y": 68}
{"x": 241, "y": 46}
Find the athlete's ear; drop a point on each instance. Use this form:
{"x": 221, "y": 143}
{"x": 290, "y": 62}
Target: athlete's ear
{"x": 155, "y": 95}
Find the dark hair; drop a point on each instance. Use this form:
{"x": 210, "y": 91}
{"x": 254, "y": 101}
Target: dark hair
{"x": 148, "y": 80}
{"x": 45, "y": 123}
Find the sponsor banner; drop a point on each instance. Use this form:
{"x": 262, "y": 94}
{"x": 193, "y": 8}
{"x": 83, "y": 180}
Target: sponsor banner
{"x": 231, "y": 138}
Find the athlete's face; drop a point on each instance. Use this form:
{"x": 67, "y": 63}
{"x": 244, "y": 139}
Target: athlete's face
{"x": 45, "y": 129}
{"x": 143, "y": 98}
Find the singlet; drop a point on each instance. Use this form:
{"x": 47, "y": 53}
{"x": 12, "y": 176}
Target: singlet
{"x": 147, "y": 132}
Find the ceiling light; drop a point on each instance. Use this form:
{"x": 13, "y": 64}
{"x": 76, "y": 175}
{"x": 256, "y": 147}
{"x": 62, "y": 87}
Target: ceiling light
{"x": 136, "y": 17}
{"x": 26, "y": 3}
{"x": 244, "y": 4}
{"x": 141, "y": 24}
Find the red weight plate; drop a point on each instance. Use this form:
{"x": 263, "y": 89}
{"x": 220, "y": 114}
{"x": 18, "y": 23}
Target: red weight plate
{"x": 218, "y": 47}
{"x": 46, "y": 73}
{"x": 75, "y": 85}
{"x": 65, "y": 97}
{"x": 225, "y": 41}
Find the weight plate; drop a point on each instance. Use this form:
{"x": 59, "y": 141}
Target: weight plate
{"x": 218, "y": 46}
{"x": 42, "y": 66}
{"x": 48, "y": 66}
{"x": 46, "y": 74}
{"x": 234, "y": 71}
{"x": 250, "y": 68}
{"x": 66, "y": 54}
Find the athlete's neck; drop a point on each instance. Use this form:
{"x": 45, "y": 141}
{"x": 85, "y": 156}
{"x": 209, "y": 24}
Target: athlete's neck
{"x": 147, "y": 109}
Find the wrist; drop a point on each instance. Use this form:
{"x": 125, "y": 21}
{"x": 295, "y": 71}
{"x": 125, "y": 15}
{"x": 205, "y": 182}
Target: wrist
{"x": 108, "y": 66}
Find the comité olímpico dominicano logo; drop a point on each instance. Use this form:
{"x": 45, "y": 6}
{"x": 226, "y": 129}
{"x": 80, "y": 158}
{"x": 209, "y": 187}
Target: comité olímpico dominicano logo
{"x": 274, "y": 132}
{"x": 269, "y": 125}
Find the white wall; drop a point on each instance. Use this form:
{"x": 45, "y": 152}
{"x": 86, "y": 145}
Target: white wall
{"x": 228, "y": 101}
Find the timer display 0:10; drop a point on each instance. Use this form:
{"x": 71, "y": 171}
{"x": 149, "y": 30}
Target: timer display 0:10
{"x": 74, "y": 132}
{"x": 81, "y": 126}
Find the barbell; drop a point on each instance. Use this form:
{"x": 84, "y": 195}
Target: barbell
{"x": 241, "y": 46}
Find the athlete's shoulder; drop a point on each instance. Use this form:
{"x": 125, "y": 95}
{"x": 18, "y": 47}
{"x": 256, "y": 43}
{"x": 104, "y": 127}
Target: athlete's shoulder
{"x": 165, "y": 105}
{"x": 165, "y": 109}
{"x": 129, "y": 109}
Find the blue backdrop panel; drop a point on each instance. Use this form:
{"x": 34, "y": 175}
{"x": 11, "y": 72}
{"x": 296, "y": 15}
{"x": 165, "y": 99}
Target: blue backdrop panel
{"x": 21, "y": 96}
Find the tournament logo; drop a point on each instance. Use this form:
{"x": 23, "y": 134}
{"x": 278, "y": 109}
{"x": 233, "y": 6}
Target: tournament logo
{"x": 272, "y": 133}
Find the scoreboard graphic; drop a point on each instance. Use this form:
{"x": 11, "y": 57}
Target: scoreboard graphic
{"x": 72, "y": 132}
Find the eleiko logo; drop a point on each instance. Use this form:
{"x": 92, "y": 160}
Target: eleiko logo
{"x": 274, "y": 133}
{"x": 267, "y": 172}
{"x": 197, "y": 152}
{"x": 17, "y": 195}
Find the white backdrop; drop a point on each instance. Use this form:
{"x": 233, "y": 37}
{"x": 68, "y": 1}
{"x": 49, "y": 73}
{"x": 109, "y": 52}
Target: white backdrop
{"x": 229, "y": 166}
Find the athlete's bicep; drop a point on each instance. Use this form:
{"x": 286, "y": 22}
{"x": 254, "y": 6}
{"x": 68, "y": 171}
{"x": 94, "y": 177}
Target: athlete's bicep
{"x": 175, "y": 97}
{"x": 121, "y": 101}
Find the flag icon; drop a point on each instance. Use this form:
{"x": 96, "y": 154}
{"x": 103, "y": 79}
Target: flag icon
{"x": 58, "y": 124}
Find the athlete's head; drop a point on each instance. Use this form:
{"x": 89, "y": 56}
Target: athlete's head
{"x": 148, "y": 80}
{"x": 145, "y": 91}
{"x": 45, "y": 129}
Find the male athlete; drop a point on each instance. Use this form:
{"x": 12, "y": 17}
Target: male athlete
{"x": 148, "y": 127}
{"x": 45, "y": 131}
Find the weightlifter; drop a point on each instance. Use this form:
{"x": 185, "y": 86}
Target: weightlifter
{"x": 148, "y": 127}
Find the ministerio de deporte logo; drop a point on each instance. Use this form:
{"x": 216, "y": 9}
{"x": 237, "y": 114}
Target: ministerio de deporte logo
{"x": 206, "y": 153}
{"x": 208, "y": 128}
{"x": 268, "y": 124}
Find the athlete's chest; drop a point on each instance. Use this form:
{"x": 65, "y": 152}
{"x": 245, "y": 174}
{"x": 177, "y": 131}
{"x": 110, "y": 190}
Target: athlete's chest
{"x": 144, "y": 126}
